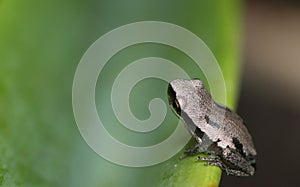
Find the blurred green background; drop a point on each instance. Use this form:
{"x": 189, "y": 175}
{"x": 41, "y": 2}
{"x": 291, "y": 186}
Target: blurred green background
{"x": 41, "y": 43}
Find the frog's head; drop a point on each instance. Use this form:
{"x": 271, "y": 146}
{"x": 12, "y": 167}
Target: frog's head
{"x": 181, "y": 92}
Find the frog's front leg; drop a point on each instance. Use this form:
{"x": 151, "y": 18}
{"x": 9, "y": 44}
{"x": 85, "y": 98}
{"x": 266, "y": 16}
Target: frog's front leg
{"x": 193, "y": 150}
{"x": 201, "y": 145}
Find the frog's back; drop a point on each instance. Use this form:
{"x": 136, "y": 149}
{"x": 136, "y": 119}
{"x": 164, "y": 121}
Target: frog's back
{"x": 236, "y": 131}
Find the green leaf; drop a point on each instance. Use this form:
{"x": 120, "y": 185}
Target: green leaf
{"x": 189, "y": 172}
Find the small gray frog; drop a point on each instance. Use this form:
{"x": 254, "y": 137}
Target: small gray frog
{"x": 219, "y": 132}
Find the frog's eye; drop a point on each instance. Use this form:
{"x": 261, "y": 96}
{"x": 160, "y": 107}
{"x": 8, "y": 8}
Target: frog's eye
{"x": 176, "y": 104}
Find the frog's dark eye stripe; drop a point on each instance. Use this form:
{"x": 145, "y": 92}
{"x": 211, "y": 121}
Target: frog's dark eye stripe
{"x": 172, "y": 100}
{"x": 171, "y": 94}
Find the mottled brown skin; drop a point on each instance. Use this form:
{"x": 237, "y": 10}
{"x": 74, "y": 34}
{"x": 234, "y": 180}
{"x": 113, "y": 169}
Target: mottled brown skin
{"x": 218, "y": 131}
